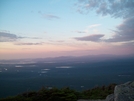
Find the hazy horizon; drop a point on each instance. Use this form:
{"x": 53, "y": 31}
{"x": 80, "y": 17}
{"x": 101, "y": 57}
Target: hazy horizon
{"x": 96, "y": 56}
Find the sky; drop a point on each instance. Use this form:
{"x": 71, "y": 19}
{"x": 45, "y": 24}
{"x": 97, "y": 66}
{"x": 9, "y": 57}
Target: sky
{"x": 52, "y": 28}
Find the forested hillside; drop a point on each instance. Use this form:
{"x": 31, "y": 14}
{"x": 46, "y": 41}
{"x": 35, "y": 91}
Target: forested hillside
{"x": 63, "y": 94}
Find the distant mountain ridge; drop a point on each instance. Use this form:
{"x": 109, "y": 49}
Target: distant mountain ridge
{"x": 64, "y": 59}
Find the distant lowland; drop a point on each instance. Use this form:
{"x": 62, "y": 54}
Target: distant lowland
{"x": 78, "y": 73}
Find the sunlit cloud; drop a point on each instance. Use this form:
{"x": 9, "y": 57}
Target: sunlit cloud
{"x": 94, "y": 25}
{"x": 90, "y": 28}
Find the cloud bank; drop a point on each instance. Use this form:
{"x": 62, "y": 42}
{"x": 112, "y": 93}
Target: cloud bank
{"x": 115, "y": 8}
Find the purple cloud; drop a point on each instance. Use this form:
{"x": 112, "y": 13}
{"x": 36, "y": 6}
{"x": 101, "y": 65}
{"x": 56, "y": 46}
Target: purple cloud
{"x": 8, "y": 37}
{"x": 124, "y": 32}
{"x": 94, "y": 38}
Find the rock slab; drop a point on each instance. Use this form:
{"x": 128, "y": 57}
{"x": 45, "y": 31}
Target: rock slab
{"x": 89, "y": 100}
{"x": 123, "y": 92}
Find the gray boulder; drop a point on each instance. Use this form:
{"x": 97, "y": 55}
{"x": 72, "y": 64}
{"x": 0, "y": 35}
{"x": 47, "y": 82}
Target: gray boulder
{"x": 123, "y": 92}
{"x": 110, "y": 97}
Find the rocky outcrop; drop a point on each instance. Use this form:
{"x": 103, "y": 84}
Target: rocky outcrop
{"x": 89, "y": 100}
{"x": 110, "y": 97}
{"x": 123, "y": 92}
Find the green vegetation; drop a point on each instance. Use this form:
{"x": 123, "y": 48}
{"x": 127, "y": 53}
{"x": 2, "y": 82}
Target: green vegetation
{"x": 64, "y": 94}
{"x": 99, "y": 92}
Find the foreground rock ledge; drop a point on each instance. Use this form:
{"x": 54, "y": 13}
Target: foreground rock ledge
{"x": 90, "y": 100}
{"x": 123, "y": 92}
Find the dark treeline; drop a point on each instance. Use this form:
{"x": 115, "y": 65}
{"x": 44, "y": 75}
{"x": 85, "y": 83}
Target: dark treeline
{"x": 63, "y": 94}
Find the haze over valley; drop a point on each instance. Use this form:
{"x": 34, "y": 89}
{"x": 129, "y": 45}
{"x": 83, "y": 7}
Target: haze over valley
{"x": 79, "y": 73}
